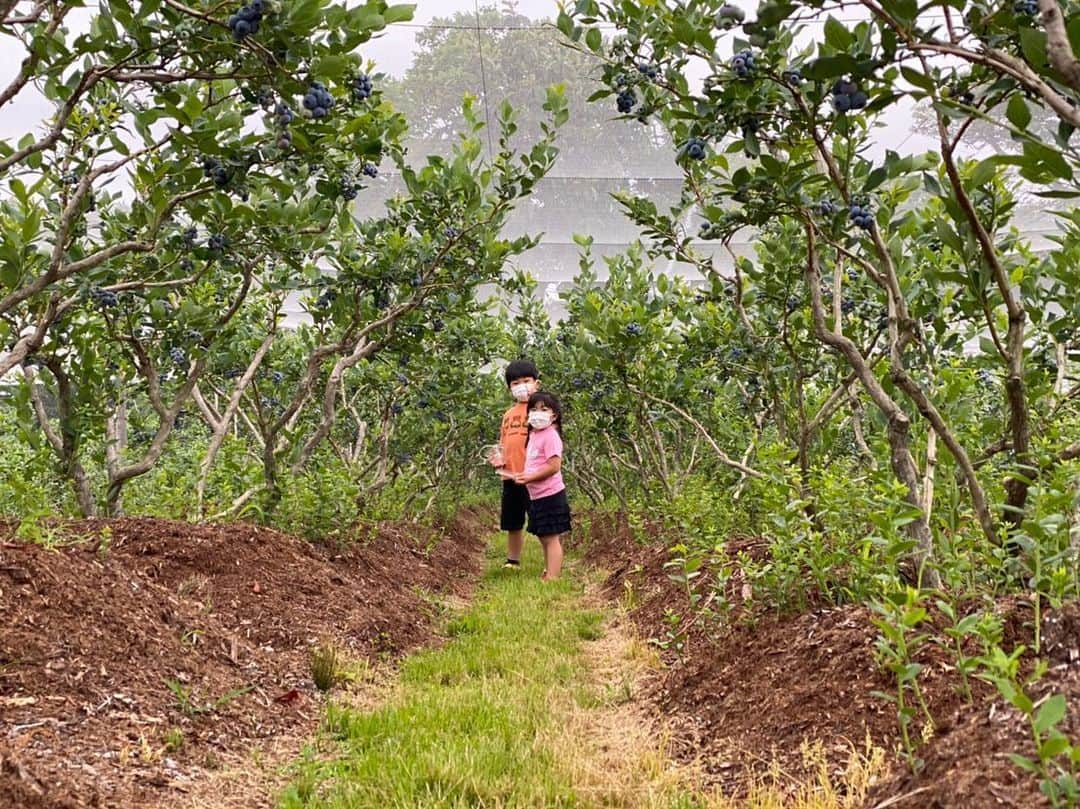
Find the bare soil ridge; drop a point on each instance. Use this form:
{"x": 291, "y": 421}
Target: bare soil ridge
{"x": 745, "y": 700}
{"x": 149, "y": 630}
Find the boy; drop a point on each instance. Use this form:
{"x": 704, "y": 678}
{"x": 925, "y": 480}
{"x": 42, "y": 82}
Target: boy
{"x": 522, "y": 380}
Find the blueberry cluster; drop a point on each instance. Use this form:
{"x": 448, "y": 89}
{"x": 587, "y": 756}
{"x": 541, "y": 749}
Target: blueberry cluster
{"x": 792, "y": 304}
{"x": 861, "y": 216}
{"x": 177, "y": 355}
{"x": 709, "y": 230}
{"x": 729, "y": 16}
{"x": 186, "y": 264}
{"x": 193, "y": 336}
{"x": 452, "y": 233}
{"x": 217, "y": 243}
{"x": 397, "y": 408}
{"x": 828, "y": 207}
{"x": 104, "y": 298}
{"x": 695, "y": 149}
{"x": 70, "y": 178}
{"x": 370, "y": 170}
{"x": 361, "y": 87}
{"x": 216, "y": 171}
{"x": 1025, "y": 8}
{"x": 349, "y": 188}
{"x": 278, "y": 377}
{"x": 626, "y": 101}
{"x": 847, "y": 306}
{"x": 265, "y": 97}
{"x": 285, "y": 116}
{"x": 246, "y": 20}
{"x": 634, "y": 329}
{"x": 649, "y": 71}
{"x": 847, "y": 95}
{"x": 743, "y": 63}
{"x": 189, "y": 237}
{"x": 326, "y": 298}
{"x": 437, "y": 325}
{"x": 792, "y": 77}
{"x": 317, "y": 100}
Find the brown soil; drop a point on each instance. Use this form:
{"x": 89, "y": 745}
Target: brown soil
{"x": 744, "y": 699}
{"x": 142, "y": 630}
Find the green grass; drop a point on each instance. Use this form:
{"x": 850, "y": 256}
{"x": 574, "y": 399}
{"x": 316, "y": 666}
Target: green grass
{"x": 472, "y": 723}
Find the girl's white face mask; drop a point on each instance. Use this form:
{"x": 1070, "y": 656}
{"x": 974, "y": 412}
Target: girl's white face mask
{"x": 539, "y": 419}
{"x": 521, "y": 392}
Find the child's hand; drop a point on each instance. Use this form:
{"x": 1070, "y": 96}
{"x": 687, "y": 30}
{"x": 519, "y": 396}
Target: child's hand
{"x": 520, "y": 478}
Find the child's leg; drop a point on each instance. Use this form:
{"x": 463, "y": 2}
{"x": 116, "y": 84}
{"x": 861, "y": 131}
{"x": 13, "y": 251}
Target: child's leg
{"x": 515, "y": 543}
{"x": 553, "y": 556}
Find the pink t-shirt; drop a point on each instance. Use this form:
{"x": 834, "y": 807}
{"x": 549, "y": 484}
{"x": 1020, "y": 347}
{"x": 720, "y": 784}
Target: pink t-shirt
{"x": 543, "y": 445}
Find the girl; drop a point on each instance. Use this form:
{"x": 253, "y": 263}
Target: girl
{"x": 549, "y": 510}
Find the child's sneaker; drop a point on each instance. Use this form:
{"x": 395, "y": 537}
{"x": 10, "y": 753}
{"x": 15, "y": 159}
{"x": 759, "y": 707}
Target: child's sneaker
{"x": 512, "y": 564}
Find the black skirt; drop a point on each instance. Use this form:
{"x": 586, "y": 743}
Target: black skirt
{"x": 549, "y": 515}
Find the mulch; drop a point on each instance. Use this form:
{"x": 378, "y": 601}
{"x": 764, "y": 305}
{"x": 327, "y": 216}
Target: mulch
{"x": 141, "y": 629}
{"x": 744, "y": 694}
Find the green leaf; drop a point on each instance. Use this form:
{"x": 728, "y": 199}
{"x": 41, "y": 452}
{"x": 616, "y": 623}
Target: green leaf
{"x": 402, "y": 12}
{"x": 1053, "y": 747}
{"x": 1023, "y": 762}
{"x": 1033, "y": 44}
{"x": 1050, "y": 713}
{"x": 918, "y": 78}
{"x": 837, "y": 35}
{"x": 1017, "y": 112}
{"x": 593, "y": 40}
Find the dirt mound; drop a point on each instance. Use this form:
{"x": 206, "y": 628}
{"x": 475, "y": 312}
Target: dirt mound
{"x": 147, "y": 649}
{"x": 967, "y": 764}
{"x": 744, "y": 698}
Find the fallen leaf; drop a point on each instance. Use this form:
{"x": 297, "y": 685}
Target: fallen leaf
{"x": 255, "y": 588}
{"x": 288, "y": 697}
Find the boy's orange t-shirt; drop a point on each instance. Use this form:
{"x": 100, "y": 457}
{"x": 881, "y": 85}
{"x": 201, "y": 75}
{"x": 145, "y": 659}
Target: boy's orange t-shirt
{"x": 513, "y": 435}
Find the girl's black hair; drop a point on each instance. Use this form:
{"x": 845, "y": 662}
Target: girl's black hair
{"x": 552, "y": 402}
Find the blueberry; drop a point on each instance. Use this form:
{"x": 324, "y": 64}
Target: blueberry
{"x": 858, "y": 100}
{"x": 370, "y": 169}
{"x": 362, "y": 87}
{"x": 634, "y": 329}
{"x": 695, "y": 149}
{"x": 626, "y": 101}
{"x": 842, "y": 103}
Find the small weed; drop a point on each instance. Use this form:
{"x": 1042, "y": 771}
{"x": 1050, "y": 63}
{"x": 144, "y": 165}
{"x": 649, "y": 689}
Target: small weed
{"x": 324, "y": 666}
{"x": 174, "y": 739}
{"x": 189, "y": 706}
{"x": 191, "y": 585}
{"x": 105, "y": 537}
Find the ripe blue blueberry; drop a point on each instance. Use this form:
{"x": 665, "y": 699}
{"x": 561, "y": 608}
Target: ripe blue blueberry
{"x": 695, "y": 149}
{"x": 626, "y": 101}
{"x": 362, "y": 87}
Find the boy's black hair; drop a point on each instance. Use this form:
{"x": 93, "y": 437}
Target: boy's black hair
{"x": 552, "y": 401}
{"x": 521, "y": 368}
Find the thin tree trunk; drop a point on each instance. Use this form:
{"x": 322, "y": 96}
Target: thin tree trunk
{"x": 899, "y": 426}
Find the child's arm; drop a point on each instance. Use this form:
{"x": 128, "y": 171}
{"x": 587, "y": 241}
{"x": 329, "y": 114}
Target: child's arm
{"x": 547, "y": 470}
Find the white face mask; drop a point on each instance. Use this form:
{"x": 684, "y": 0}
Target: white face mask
{"x": 539, "y": 419}
{"x": 521, "y": 392}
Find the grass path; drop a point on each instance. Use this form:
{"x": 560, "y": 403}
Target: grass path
{"x": 528, "y": 704}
